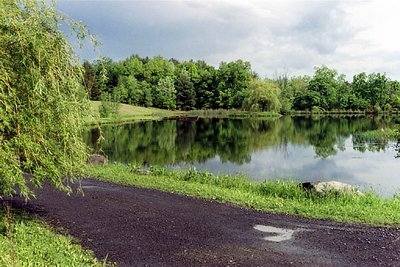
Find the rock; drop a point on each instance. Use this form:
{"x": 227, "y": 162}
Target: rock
{"x": 323, "y": 187}
{"x": 96, "y": 159}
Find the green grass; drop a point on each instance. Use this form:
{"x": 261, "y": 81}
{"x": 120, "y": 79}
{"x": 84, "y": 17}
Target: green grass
{"x": 35, "y": 244}
{"x": 275, "y": 196}
{"x": 128, "y": 113}
{"x": 379, "y": 136}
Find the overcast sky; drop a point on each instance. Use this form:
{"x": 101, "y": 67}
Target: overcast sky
{"x": 349, "y": 36}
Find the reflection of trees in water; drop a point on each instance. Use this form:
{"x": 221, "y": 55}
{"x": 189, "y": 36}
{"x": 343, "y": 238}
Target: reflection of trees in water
{"x": 233, "y": 140}
{"x": 283, "y": 148}
{"x": 363, "y": 144}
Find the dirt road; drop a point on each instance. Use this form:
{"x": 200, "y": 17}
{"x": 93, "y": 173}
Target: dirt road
{"x": 144, "y": 227}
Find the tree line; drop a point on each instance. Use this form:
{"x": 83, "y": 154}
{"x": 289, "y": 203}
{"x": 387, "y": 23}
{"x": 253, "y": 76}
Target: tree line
{"x": 170, "y": 84}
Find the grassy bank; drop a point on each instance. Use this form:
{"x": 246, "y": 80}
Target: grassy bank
{"x": 34, "y": 244}
{"x": 276, "y": 196}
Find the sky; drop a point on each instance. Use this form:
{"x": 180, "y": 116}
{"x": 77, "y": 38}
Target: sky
{"x": 276, "y": 37}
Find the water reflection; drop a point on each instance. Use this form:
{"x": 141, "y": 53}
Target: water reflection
{"x": 296, "y": 147}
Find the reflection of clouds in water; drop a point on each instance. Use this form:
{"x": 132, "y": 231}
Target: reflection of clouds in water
{"x": 368, "y": 169}
{"x": 325, "y": 170}
{"x": 376, "y": 170}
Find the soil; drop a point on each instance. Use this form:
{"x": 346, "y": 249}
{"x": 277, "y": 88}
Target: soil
{"x": 144, "y": 227}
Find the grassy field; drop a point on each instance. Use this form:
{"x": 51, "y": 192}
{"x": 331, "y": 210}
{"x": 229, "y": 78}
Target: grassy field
{"x": 275, "y": 196}
{"x": 128, "y": 113}
{"x": 25, "y": 241}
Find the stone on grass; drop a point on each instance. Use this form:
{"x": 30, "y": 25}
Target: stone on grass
{"x": 97, "y": 159}
{"x": 331, "y": 186}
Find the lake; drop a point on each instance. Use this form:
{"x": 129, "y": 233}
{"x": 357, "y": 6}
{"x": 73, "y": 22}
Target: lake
{"x": 297, "y": 148}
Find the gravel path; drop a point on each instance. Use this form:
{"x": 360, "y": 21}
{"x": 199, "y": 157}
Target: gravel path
{"x": 143, "y": 227}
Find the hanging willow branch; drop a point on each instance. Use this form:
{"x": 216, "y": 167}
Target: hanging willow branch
{"x": 42, "y": 102}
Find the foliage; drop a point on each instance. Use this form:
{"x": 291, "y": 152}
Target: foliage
{"x": 324, "y": 85}
{"x": 233, "y": 80}
{"x": 158, "y": 68}
{"x": 293, "y": 87}
{"x": 185, "y": 94}
{"x": 262, "y": 96}
{"x": 164, "y": 94}
{"x": 201, "y": 86}
{"x": 129, "y": 90}
{"x": 90, "y": 81}
{"x": 376, "y": 90}
{"x": 109, "y": 105}
{"x": 41, "y": 97}
{"x": 276, "y": 196}
{"x": 205, "y": 86}
{"x": 329, "y": 91}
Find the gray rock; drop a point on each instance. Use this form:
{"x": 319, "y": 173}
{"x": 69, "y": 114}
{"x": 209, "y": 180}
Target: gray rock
{"x": 324, "y": 187}
{"x": 96, "y": 159}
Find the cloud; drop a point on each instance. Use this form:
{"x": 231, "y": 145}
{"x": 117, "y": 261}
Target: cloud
{"x": 351, "y": 36}
{"x": 322, "y": 28}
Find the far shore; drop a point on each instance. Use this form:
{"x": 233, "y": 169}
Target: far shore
{"x": 128, "y": 113}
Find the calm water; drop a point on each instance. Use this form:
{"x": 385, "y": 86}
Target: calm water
{"x": 305, "y": 149}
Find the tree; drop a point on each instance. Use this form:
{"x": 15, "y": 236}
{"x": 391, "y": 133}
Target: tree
{"x": 375, "y": 89}
{"x": 325, "y": 84}
{"x": 394, "y": 95}
{"x": 156, "y": 69}
{"x": 164, "y": 94}
{"x": 129, "y": 90}
{"x": 262, "y": 96}
{"x": 324, "y": 91}
{"x": 185, "y": 94}
{"x": 205, "y": 86}
{"x": 90, "y": 81}
{"x": 306, "y": 100}
{"x": 233, "y": 79}
{"x": 113, "y": 71}
{"x": 294, "y": 86}
{"x": 134, "y": 66}
{"x": 147, "y": 100}
{"x": 42, "y": 107}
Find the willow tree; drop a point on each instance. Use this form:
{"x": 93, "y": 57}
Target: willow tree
{"x": 41, "y": 98}
{"x": 262, "y": 95}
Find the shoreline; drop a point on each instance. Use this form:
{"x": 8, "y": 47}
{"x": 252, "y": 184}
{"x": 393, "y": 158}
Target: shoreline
{"x": 272, "y": 195}
{"x": 128, "y": 113}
